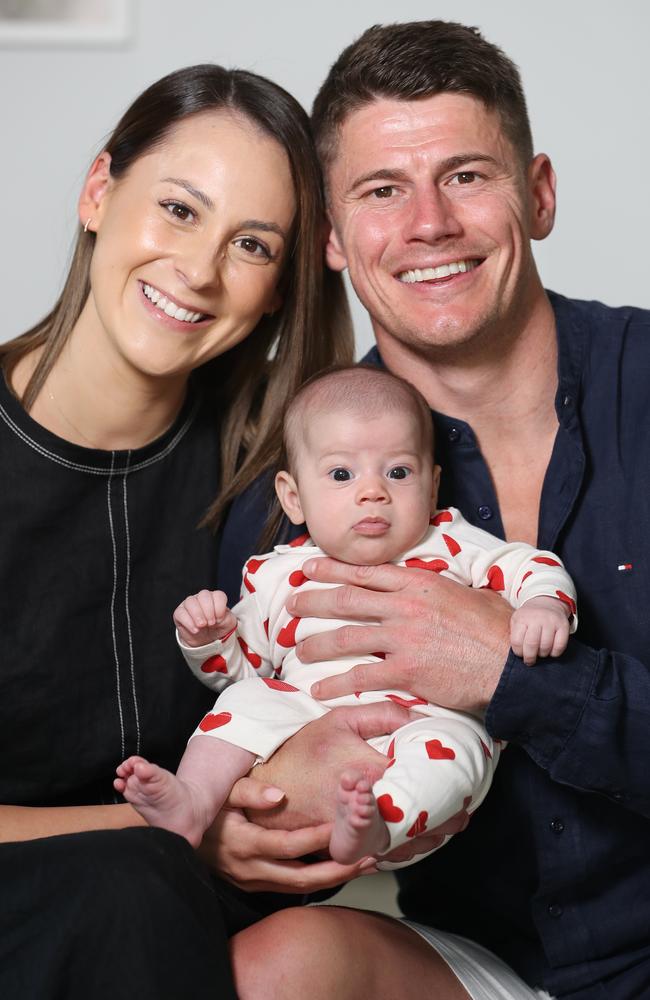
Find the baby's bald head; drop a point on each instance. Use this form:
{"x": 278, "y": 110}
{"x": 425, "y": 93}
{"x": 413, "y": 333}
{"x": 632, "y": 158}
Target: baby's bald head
{"x": 362, "y": 391}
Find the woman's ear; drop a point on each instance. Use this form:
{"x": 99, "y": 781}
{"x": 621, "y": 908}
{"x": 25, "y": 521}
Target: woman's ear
{"x": 287, "y": 491}
{"x": 92, "y": 195}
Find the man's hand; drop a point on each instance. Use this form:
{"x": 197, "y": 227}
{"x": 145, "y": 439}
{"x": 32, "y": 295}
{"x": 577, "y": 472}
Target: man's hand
{"x": 306, "y": 767}
{"x": 259, "y": 860}
{"x": 442, "y": 641}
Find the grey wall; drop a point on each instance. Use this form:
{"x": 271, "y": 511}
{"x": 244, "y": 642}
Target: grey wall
{"x": 582, "y": 63}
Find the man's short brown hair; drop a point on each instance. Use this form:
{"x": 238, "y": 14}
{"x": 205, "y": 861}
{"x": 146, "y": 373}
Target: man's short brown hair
{"x": 416, "y": 60}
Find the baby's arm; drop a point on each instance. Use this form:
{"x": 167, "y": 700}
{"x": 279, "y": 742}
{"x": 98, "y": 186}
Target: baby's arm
{"x": 540, "y": 627}
{"x": 201, "y": 618}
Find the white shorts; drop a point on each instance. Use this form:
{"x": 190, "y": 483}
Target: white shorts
{"x": 484, "y": 976}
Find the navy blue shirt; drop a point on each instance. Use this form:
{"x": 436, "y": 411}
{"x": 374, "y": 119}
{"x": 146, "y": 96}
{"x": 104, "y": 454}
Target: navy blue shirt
{"x": 553, "y": 872}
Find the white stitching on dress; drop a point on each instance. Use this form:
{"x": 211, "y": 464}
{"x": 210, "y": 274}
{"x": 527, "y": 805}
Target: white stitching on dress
{"x": 126, "y": 606}
{"x": 115, "y": 653}
{"x": 103, "y": 471}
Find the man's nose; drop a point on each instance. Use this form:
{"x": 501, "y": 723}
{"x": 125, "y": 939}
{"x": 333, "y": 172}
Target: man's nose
{"x": 432, "y": 216}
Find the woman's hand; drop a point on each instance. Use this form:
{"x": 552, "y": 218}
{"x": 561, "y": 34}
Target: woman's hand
{"x": 261, "y": 860}
{"x": 258, "y": 839}
{"x": 442, "y": 641}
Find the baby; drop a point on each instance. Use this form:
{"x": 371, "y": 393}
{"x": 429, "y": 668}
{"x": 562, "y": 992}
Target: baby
{"x": 359, "y": 472}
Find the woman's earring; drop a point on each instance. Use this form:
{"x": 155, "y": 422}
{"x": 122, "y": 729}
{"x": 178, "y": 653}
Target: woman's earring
{"x": 88, "y": 221}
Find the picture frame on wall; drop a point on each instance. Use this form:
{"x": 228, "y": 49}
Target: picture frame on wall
{"x": 64, "y": 22}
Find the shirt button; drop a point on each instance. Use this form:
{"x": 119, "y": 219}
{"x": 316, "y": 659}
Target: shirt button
{"x": 453, "y": 434}
{"x": 567, "y": 401}
{"x": 556, "y": 825}
{"x": 555, "y": 910}
{"x": 485, "y": 512}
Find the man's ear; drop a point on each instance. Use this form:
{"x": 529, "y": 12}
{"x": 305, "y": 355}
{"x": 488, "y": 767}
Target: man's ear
{"x": 92, "y": 195}
{"x": 435, "y": 488}
{"x": 334, "y": 255}
{"x": 541, "y": 193}
{"x": 287, "y": 491}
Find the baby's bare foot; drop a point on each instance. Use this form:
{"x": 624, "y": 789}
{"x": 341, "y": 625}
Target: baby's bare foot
{"x": 358, "y": 829}
{"x": 161, "y": 798}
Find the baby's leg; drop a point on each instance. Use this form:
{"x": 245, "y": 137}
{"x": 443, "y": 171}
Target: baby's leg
{"x": 358, "y": 829}
{"x": 187, "y": 802}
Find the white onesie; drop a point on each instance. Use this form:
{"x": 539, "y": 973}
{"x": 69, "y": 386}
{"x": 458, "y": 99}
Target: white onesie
{"x": 440, "y": 767}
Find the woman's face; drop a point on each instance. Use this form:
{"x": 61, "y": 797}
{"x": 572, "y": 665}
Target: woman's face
{"x": 190, "y": 246}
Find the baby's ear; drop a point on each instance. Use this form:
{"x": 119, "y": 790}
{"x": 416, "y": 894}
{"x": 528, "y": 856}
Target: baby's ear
{"x": 435, "y": 488}
{"x": 287, "y": 491}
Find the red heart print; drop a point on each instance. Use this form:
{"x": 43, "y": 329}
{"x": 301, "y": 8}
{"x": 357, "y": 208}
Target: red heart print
{"x": 388, "y": 810}
{"x": 214, "y": 665}
{"x": 251, "y": 567}
{"x": 546, "y": 560}
{"x": 567, "y": 600}
{"x": 441, "y": 517}
{"x": 391, "y": 748}
{"x": 297, "y": 578}
{"x": 486, "y": 750}
{"x": 212, "y": 721}
{"x": 287, "y": 635}
{"x": 523, "y": 580}
{"x": 253, "y": 658}
{"x": 495, "y": 579}
{"x": 406, "y": 702}
{"x": 277, "y": 685}
{"x": 452, "y": 544}
{"x": 419, "y": 826}
{"x": 266, "y": 627}
{"x": 300, "y": 540}
{"x": 433, "y": 565}
{"x": 436, "y": 751}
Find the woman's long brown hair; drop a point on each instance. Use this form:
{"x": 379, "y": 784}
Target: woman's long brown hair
{"x": 250, "y": 384}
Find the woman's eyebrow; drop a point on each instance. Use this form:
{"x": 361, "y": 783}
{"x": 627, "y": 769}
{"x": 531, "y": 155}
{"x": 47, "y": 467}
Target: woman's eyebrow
{"x": 201, "y": 196}
{"x": 266, "y": 227}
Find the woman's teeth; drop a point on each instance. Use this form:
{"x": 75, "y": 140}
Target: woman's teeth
{"x": 430, "y": 273}
{"x": 169, "y": 308}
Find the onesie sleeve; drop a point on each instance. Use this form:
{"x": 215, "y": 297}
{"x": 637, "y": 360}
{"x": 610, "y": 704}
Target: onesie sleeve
{"x": 516, "y": 570}
{"x": 245, "y": 651}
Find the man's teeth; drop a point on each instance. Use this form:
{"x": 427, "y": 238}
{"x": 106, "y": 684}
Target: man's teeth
{"x": 163, "y": 303}
{"x": 429, "y": 273}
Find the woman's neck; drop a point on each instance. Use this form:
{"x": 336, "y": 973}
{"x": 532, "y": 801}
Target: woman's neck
{"x": 96, "y": 405}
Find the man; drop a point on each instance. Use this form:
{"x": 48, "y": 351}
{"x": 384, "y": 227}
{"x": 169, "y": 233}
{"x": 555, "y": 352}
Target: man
{"x": 540, "y": 407}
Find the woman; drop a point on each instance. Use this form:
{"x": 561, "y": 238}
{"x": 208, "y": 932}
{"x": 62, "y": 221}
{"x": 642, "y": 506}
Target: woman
{"x": 195, "y": 305}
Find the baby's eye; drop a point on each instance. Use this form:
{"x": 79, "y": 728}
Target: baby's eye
{"x": 253, "y": 247}
{"x": 340, "y": 475}
{"x": 178, "y": 210}
{"x": 399, "y": 472}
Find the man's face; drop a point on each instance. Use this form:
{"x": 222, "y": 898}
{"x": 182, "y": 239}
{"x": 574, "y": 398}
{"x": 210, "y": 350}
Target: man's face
{"x": 433, "y": 213}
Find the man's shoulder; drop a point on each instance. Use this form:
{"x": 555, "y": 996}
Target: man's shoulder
{"x": 596, "y": 316}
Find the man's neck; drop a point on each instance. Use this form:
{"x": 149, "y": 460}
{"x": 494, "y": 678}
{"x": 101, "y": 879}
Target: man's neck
{"x": 506, "y": 393}
{"x": 509, "y": 382}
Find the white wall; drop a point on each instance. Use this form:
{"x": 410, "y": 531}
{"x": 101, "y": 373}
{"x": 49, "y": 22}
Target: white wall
{"x": 582, "y": 64}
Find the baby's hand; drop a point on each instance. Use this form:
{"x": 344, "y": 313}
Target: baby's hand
{"x": 540, "y": 627}
{"x": 204, "y": 617}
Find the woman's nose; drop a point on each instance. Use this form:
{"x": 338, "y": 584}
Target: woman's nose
{"x": 198, "y": 265}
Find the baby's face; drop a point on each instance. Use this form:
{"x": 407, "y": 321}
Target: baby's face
{"x": 365, "y": 489}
